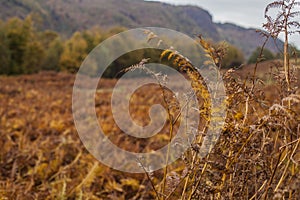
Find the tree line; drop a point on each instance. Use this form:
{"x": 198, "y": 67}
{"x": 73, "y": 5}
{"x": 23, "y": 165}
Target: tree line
{"x": 26, "y": 50}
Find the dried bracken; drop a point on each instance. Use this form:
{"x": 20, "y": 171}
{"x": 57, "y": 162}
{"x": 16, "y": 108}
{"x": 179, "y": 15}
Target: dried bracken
{"x": 256, "y": 157}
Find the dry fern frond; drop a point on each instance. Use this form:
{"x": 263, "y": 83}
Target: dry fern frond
{"x": 215, "y": 53}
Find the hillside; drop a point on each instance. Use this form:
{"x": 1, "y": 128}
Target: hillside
{"x": 67, "y": 16}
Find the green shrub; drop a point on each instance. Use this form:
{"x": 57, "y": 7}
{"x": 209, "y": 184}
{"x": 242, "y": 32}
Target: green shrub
{"x": 234, "y": 57}
{"x": 266, "y": 55}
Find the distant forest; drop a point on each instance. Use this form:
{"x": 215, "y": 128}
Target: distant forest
{"x": 25, "y": 50}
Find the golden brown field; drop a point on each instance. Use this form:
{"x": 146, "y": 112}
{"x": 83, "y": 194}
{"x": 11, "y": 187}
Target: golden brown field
{"x": 42, "y": 156}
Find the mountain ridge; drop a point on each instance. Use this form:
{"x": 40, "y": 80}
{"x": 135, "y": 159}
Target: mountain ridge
{"x": 68, "y": 16}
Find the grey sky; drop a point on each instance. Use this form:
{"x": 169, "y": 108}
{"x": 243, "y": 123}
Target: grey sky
{"x": 246, "y": 13}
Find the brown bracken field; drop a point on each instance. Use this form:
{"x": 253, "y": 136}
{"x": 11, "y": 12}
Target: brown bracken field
{"x": 42, "y": 156}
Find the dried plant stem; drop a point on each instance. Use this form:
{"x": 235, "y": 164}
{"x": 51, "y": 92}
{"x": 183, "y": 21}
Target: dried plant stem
{"x": 259, "y": 190}
{"x": 297, "y": 140}
{"x": 171, "y": 126}
{"x": 149, "y": 178}
{"x": 185, "y": 187}
{"x": 168, "y": 151}
{"x": 199, "y": 179}
{"x": 224, "y": 175}
{"x": 254, "y": 80}
{"x": 286, "y": 167}
{"x": 286, "y": 61}
{"x": 272, "y": 177}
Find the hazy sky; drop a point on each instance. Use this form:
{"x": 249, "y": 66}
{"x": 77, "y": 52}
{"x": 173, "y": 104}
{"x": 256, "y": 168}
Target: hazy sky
{"x": 247, "y": 13}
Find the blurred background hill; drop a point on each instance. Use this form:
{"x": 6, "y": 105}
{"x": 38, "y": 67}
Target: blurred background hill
{"x": 69, "y": 16}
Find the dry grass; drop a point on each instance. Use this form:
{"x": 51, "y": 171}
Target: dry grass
{"x": 256, "y": 157}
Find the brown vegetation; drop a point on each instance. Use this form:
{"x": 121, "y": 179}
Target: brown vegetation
{"x": 42, "y": 156}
